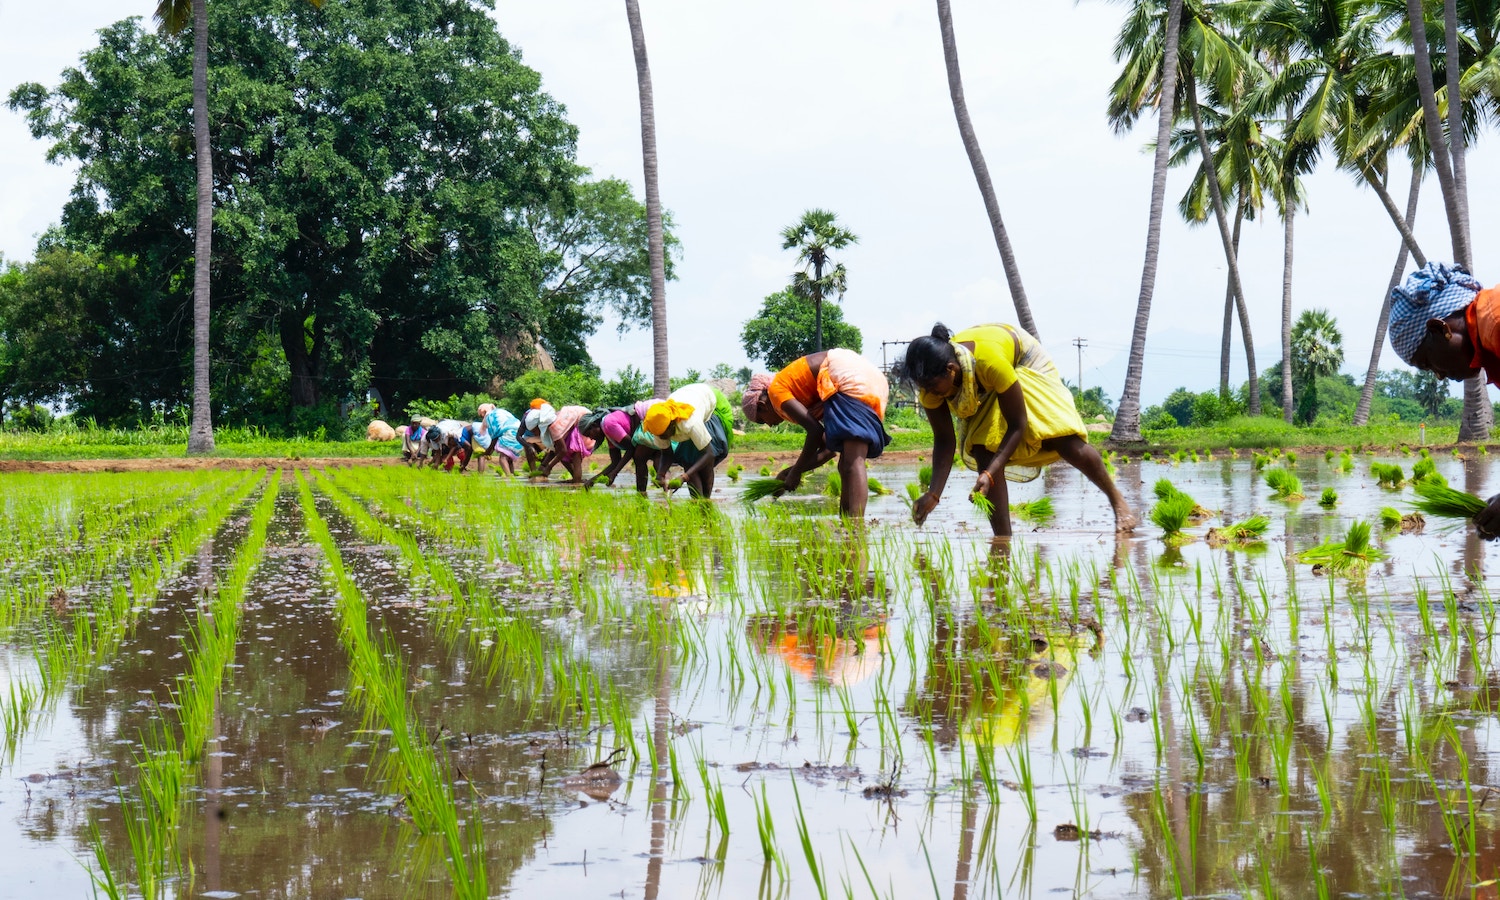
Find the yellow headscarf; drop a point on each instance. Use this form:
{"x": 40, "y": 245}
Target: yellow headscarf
{"x": 660, "y": 416}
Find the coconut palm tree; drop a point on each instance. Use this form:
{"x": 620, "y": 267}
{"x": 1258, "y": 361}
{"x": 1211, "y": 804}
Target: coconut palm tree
{"x": 1367, "y": 392}
{"x": 1447, "y": 157}
{"x": 982, "y": 171}
{"x": 814, "y": 237}
{"x": 656, "y": 248}
{"x": 173, "y": 17}
{"x": 1127, "y": 427}
{"x": 1317, "y": 350}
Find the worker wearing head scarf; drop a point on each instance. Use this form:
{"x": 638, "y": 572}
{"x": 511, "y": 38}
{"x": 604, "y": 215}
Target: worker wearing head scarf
{"x": 691, "y": 428}
{"x": 615, "y": 428}
{"x": 839, "y": 399}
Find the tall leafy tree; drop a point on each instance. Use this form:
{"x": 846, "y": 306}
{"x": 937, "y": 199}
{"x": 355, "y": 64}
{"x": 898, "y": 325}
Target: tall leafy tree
{"x": 1127, "y": 427}
{"x": 784, "y": 329}
{"x": 981, "y": 170}
{"x": 367, "y": 240}
{"x": 815, "y": 237}
{"x": 661, "y": 376}
{"x": 1372, "y": 372}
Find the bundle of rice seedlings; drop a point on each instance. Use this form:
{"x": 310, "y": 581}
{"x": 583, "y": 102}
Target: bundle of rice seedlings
{"x": 1405, "y": 450}
{"x": 1170, "y": 514}
{"x": 1038, "y": 511}
{"x": 924, "y": 477}
{"x": 1291, "y": 457}
{"x": 1195, "y": 456}
{"x": 1258, "y": 461}
{"x": 1390, "y": 517}
{"x": 834, "y": 486}
{"x": 1387, "y": 474}
{"x": 1164, "y": 489}
{"x": 1346, "y": 462}
{"x": 1146, "y": 456}
{"x": 1456, "y": 454}
{"x": 983, "y": 504}
{"x": 1445, "y": 502}
{"x": 1484, "y": 450}
{"x": 765, "y": 470}
{"x": 734, "y": 472}
{"x": 1329, "y": 498}
{"x": 1424, "y": 468}
{"x": 1179, "y": 456}
{"x": 913, "y": 490}
{"x": 877, "y": 488}
{"x": 1249, "y": 531}
{"x": 1286, "y": 485}
{"x": 761, "y": 488}
{"x": 1353, "y": 554}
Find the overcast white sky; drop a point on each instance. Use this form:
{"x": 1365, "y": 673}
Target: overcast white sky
{"x": 766, "y": 109}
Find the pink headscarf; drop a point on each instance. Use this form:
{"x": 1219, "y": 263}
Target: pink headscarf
{"x": 754, "y": 396}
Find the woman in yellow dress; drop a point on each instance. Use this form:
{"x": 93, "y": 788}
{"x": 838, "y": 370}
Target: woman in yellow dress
{"x": 1014, "y": 415}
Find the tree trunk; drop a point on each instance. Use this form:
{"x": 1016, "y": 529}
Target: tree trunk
{"x": 661, "y": 375}
{"x": 1478, "y": 416}
{"x": 1367, "y": 393}
{"x": 1227, "y": 339}
{"x": 1288, "y": 397}
{"x": 1401, "y": 222}
{"x": 981, "y": 171}
{"x": 818, "y": 305}
{"x": 1127, "y": 426}
{"x": 300, "y": 365}
{"x": 201, "y": 431}
{"x": 1456, "y": 137}
{"x": 1217, "y": 196}
{"x": 1441, "y": 156}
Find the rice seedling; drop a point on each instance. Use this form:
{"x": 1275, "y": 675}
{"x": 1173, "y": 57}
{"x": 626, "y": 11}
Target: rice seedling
{"x": 913, "y": 491}
{"x": 1329, "y": 498}
{"x": 761, "y": 488}
{"x": 876, "y": 488}
{"x": 1170, "y": 514}
{"x": 1387, "y": 475}
{"x": 1353, "y": 554}
{"x": 1285, "y": 485}
{"x": 1250, "y": 530}
{"x": 734, "y": 472}
{"x": 1038, "y": 511}
{"x": 765, "y": 470}
{"x": 1390, "y": 518}
{"x": 924, "y": 477}
{"x": 982, "y": 504}
{"x": 834, "y": 486}
{"x": 1423, "y": 468}
{"x": 1439, "y": 500}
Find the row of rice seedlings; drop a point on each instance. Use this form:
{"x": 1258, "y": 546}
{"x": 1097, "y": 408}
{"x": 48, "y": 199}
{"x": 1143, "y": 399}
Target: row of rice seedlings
{"x": 73, "y": 649}
{"x": 412, "y": 766}
{"x": 25, "y": 595}
{"x": 167, "y": 762}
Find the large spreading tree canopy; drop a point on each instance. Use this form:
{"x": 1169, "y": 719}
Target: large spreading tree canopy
{"x": 397, "y": 206}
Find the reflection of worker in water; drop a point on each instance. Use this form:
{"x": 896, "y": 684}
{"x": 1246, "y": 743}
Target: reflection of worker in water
{"x": 990, "y": 711}
{"x": 825, "y": 646}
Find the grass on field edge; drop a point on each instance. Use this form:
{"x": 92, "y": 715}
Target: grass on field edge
{"x": 1242, "y": 433}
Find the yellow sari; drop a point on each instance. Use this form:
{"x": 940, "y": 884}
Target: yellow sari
{"x": 1002, "y": 356}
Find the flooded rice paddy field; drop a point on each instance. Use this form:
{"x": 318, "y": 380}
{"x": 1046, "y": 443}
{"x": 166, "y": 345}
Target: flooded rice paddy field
{"x": 395, "y": 683}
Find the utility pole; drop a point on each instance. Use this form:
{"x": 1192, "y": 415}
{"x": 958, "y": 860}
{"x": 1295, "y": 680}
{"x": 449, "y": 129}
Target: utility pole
{"x": 1080, "y": 343}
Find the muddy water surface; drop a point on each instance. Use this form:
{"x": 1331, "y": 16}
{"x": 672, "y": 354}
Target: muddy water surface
{"x": 894, "y": 712}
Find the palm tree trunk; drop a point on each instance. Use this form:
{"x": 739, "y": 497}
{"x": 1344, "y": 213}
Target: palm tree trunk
{"x": 1127, "y": 428}
{"x": 1456, "y": 138}
{"x": 1288, "y": 398}
{"x": 818, "y": 305}
{"x": 1227, "y": 340}
{"x": 1230, "y": 256}
{"x": 1478, "y": 415}
{"x": 1367, "y": 393}
{"x": 981, "y": 171}
{"x": 661, "y": 379}
{"x": 1441, "y": 157}
{"x": 1401, "y": 222}
{"x": 201, "y": 431}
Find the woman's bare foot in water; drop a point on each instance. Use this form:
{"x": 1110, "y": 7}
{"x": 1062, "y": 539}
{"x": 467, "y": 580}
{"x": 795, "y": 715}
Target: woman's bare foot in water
{"x": 1125, "y": 520}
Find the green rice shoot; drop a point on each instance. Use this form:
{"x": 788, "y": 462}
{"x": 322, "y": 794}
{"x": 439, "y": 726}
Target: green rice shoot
{"x": 1390, "y": 517}
{"x": 1353, "y": 553}
{"x": 983, "y": 504}
{"x": 1170, "y": 514}
{"x": 761, "y": 488}
{"x": 1285, "y": 485}
{"x": 1329, "y": 498}
{"x": 1038, "y": 511}
{"x": 1435, "y": 499}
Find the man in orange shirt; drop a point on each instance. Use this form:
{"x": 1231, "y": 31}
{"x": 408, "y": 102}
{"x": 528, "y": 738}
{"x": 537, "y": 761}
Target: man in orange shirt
{"x": 839, "y": 398}
{"x": 1445, "y": 322}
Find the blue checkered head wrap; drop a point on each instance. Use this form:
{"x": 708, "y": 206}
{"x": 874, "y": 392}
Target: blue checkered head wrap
{"x": 1435, "y": 291}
